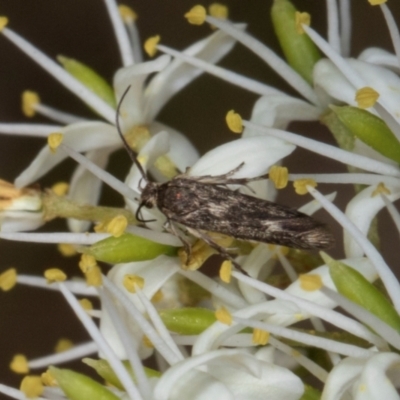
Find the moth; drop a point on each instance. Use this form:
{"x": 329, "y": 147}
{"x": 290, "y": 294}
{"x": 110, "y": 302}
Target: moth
{"x": 204, "y": 204}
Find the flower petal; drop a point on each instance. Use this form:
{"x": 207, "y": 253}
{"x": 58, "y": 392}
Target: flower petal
{"x": 257, "y": 154}
{"x": 81, "y": 137}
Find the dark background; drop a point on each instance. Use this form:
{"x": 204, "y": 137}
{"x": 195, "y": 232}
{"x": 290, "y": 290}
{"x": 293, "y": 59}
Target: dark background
{"x": 31, "y": 320}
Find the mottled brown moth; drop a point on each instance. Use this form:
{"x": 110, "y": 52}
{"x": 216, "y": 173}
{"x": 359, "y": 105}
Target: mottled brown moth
{"x": 205, "y": 204}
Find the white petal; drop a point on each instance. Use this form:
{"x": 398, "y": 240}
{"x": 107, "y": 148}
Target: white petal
{"x": 378, "y": 56}
{"x": 178, "y": 74}
{"x": 85, "y": 187}
{"x": 132, "y": 110}
{"x": 361, "y": 209}
{"x": 278, "y": 110}
{"x": 81, "y": 137}
{"x": 257, "y": 153}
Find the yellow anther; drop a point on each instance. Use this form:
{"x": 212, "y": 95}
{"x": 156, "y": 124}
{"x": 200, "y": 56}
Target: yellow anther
{"x": 127, "y": 14}
{"x": 93, "y": 276}
{"x": 234, "y": 121}
{"x": 8, "y": 279}
{"x": 66, "y": 249}
{"x": 279, "y": 175}
{"x": 302, "y": 18}
{"x": 63, "y": 345}
{"x": 54, "y": 140}
{"x": 29, "y": 102}
{"x": 366, "y": 97}
{"x": 300, "y": 186}
{"x": 380, "y": 189}
{"x": 117, "y": 226}
{"x": 131, "y": 281}
{"x": 32, "y": 386}
{"x": 260, "y": 337}
{"x": 310, "y": 282}
{"x": 54, "y": 275}
{"x": 225, "y": 272}
{"x": 196, "y": 15}
{"x": 86, "y": 304}
{"x": 376, "y": 2}
{"x": 87, "y": 262}
{"x": 48, "y": 379}
{"x": 223, "y": 316}
{"x": 60, "y": 188}
{"x": 150, "y": 45}
{"x": 3, "y": 22}
{"x": 218, "y": 10}
{"x": 147, "y": 342}
{"x": 19, "y": 364}
{"x": 101, "y": 227}
{"x": 158, "y": 296}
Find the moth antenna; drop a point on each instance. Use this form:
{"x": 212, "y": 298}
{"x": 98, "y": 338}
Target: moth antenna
{"x": 131, "y": 153}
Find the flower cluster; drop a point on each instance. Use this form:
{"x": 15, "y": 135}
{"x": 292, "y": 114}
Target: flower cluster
{"x": 237, "y": 335}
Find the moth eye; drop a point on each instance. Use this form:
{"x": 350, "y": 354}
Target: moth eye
{"x": 149, "y": 204}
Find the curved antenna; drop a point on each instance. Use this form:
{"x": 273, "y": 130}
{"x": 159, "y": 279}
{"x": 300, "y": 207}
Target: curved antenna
{"x": 131, "y": 153}
{"x": 139, "y": 218}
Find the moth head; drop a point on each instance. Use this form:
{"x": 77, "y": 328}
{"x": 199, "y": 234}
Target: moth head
{"x": 149, "y": 195}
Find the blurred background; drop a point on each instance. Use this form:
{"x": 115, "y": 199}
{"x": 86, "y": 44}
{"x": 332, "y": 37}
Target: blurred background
{"x": 32, "y": 320}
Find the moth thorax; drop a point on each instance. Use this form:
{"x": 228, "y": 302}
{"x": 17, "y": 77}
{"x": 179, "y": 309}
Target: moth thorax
{"x": 149, "y": 195}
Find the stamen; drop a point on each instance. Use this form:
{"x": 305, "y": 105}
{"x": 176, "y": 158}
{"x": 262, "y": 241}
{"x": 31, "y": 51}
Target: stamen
{"x": 131, "y": 282}
{"x": 8, "y": 279}
{"x": 54, "y": 140}
{"x": 376, "y": 2}
{"x": 300, "y": 19}
{"x": 218, "y": 10}
{"x": 223, "y": 316}
{"x": 279, "y": 176}
{"x": 129, "y": 18}
{"x": 394, "y": 31}
{"x": 54, "y": 275}
{"x": 32, "y": 386}
{"x": 150, "y": 45}
{"x": 120, "y": 33}
{"x": 366, "y": 97}
{"x": 35, "y": 130}
{"x": 48, "y": 379}
{"x": 260, "y": 337}
{"x": 392, "y": 211}
{"x": 127, "y": 14}
{"x": 333, "y": 24}
{"x": 345, "y": 27}
{"x": 310, "y": 282}
{"x": 225, "y": 272}
{"x": 19, "y": 364}
{"x": 60, "y": 188}
{"x": 29, "y": 102}
{"x": 300, "y": 186}
{"x": 3, "y": 23}
{"x": 234, "y": 121}
{"x": 380, "y": 189}
{"x": 196, "y": 15}
{"x": 117, "y": 226}
{"x": 86, "y": 304}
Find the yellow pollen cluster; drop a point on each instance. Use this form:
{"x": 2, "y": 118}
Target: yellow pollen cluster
{"x": 63, "y": 345}
{"x": 86, "y": 304}
{"x": 8, "y": 279}
{"x": 66, "y": 249}
{"x": 300, "y": 186}
{"x": 225, "y": 272}
{"x": 3, "y": 22}
{"x": 89, "y": 267}
{"x": 302, "y": 18}
{"x": 310, "y": 282}
{"x": 19, "y": 364}
{"x": 60, "y": 188}
{"x": 117, "y": 226}
{"x": 260, "y": 337}
{"x": 196, "y": 15}
{"x": 131, "y": 281}
{"x": 223, "y": 316}
{"x": 218, "y": 10}
{"x": 234, "y": 121}
{"x": 380, "y": 189}
{"x": 366, "y": 97}
{"x": 127, "y": 14}
{"x": 54, "y": 275}
{"x": 48, "y": 379}
{"x": 29, "y": 102}
{"x": 54, "y": 140}
{"x": 376, "y": 2}
{"x": 150, "y": 45}
{"x": 32, "y": 386}
{"x": 279, "y": 175}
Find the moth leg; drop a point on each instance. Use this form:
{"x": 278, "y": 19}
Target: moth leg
{"x": 221, "y": 250}
{"x": 171, "y": 228}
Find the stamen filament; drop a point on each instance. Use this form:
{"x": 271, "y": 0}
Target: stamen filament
{"x": 345, "y": 27}
{"x": 392, "y": 211}
{"x": 120, "y": 33}
{"x": 56, "y": 115}
{"x": 393, "y": 30}
{"x": 35, "y": 130}
{"x": 333, "y": 25}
